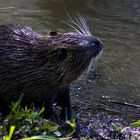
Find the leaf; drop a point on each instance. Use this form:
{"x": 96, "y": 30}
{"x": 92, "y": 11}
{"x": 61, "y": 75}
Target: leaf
{"x": 42, "y": 110}
{"x": 8, "y": 137}
{"x": 73, "y": 126}
{"x": 40, "y": 138}
{"x": 137, "y": 123}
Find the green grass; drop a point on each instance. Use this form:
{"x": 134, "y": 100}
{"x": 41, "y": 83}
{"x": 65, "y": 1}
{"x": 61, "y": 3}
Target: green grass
{"x": 28, "y": 124}
{"x": 135, "y": 124}
{"x": 8, "y": 137}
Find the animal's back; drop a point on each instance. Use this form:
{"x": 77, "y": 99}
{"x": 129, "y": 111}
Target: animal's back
{"x": 18, "y": 61}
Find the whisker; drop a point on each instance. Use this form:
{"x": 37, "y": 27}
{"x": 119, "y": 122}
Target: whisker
{"x": 74, "y": 29}
{"x": 78, "y": 24}
{"x": 84, "y": 24}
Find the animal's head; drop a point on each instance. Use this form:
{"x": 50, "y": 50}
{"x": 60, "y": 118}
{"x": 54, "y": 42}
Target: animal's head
{"x": 72, "y": 52}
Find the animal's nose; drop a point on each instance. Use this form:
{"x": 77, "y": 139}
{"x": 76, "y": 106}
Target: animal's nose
{"x": 96, "y": 42}
{"x": 96, "y": 46}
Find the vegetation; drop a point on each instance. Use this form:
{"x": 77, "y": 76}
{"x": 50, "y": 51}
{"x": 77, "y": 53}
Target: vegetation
{"x": 29, "y": 124}
{"x": 24, "y": 123}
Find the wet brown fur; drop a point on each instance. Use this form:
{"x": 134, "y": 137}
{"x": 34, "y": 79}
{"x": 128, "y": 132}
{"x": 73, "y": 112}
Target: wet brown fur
{"x": 40, "y": 67}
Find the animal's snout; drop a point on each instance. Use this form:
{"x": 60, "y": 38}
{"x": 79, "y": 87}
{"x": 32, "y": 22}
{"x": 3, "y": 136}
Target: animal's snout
{"x": 96, "y": 46}
{"x": 95, "y": 42}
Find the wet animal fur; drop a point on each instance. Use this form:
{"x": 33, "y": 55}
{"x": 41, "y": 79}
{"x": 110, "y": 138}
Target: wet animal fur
{"x": 42, "y": 67}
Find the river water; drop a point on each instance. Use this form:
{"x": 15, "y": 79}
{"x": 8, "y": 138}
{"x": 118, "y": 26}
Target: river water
{"x": 116, "y": 22}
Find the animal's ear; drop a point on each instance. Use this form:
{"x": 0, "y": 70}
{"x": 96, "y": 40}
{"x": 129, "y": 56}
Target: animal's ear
{"x": 53, "y": 33}
{"x": 62, "y": 53}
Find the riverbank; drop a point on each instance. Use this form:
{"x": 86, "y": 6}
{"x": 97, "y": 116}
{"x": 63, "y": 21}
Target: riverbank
{"x": 89, "y": 122}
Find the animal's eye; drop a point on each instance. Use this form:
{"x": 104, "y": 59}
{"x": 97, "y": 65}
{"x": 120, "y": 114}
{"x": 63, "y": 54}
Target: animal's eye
{"x": 53, "y": 33}
{"x": 62, "y": 52}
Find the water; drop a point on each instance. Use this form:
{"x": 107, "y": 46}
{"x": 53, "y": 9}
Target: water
{"x": 116, "y": 23}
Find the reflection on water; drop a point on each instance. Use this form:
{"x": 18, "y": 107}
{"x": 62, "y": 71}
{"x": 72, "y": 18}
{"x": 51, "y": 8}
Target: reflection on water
{"x": 115, "y": 22}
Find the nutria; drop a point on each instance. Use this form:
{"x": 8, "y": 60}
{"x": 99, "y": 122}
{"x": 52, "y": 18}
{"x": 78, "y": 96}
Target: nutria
{"x": 42, "y": 67}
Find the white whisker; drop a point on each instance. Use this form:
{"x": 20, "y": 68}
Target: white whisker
{"x": 74, "y": 29}
{"x": 84, "y": 24}
{"x": 79, "y": 25}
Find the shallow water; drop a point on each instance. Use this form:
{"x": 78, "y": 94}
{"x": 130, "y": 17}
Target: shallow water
{"x": 116, "y": 23}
